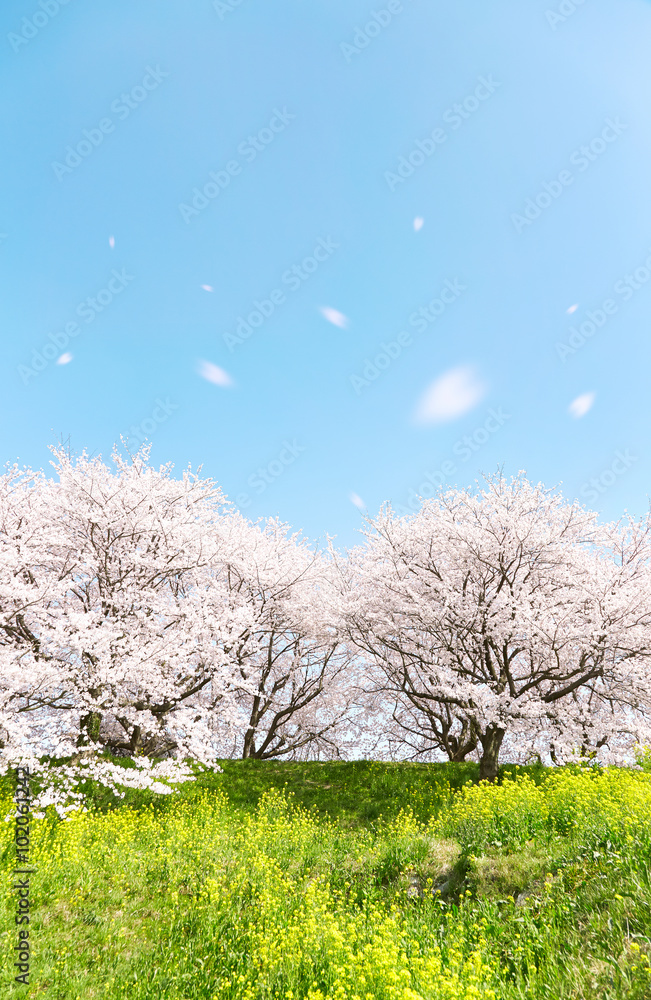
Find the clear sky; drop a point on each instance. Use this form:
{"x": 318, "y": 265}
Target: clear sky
{"x": 401, "y": 201}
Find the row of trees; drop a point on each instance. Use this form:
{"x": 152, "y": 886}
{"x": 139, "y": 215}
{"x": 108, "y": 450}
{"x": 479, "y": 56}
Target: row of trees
{"x": 143, "y": 614}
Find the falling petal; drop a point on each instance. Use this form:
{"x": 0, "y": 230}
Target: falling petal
{"x": 357, "y": 500}
{"x": 580, "y": 406}
{"x": 572, "y": 309}
{"x": 64, "y": 359}
{"x": 334, "y": 316}
{"x": 111, "y": 241}
{"x": 208, "y": 288}
{"x": 215, "y": 374}
{"x": 418, "y": 223}
{"x": 449, "y": 396}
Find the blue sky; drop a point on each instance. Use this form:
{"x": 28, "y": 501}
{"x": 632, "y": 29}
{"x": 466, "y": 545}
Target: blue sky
{"x": 300, "y": 118}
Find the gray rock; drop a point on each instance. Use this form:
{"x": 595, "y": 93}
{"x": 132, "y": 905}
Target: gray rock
{"x": 415, "y": 889}
{"x": 441, "y": 888}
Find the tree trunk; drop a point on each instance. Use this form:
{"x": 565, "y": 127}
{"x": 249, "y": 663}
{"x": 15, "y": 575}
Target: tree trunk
{"x": 491, "y": 742}
{"x": 458, "y": 755}
{"x": 248, "y": 750}
{"x": 135, "y": 743}
{"x": 89, "y": 728}
{"x": 458, "y": 746}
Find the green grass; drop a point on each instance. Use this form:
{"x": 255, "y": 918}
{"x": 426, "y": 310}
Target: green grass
{"x": 354, "y": 793}
{"x": 305, "y": 880}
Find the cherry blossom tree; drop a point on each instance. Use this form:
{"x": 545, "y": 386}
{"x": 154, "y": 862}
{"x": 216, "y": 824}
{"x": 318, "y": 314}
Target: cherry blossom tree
{"x": 608, "y": 715}
{"x": 292, "y": 676}
{"x": 142, "y": 614}
{"x": 107, "y": 635}
{"x": 504, "y": 610}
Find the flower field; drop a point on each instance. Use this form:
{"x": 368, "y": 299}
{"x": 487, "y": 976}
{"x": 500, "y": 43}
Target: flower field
{"x": 429, "y": 886}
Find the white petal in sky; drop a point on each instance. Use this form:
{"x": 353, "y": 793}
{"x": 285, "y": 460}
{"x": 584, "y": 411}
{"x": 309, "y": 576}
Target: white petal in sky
{"x": 580, "y": 406}
{"x": 65, "y": 358}
{"x": 418, "y": 223}
{"x": 449, "y": 396}
{"x": 572, "y": 309}
{"x": 208, "y": 288}
{"x": 111, "y": 241}
{"x": 212, "y": 373}
{"x": 357, "y": 500}
{"x": 334, "y": 316}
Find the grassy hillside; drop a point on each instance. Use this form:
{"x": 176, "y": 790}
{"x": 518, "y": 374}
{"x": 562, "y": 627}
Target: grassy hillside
{"x": 351, "y": 880}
